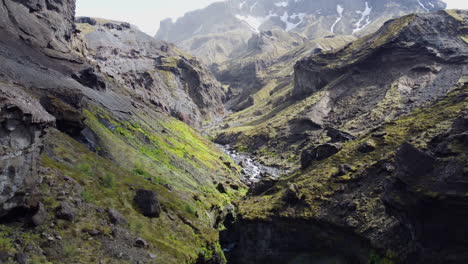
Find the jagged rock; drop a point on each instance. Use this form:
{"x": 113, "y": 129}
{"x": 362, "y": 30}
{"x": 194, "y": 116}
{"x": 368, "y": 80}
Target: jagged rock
{"x": 66, "y": 211}
{"x": 116, "y": 218}
{"x": 88, "y": 77}
{"x": 40, "y": 216}
{"x": 87, "y": 20}
{"x": 22, "y": 123}
{"x": 320, "y": 152}
{"x": 148, "y": 203}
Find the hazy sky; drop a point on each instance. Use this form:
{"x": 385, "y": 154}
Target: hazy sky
{"x": 147, "y": 14}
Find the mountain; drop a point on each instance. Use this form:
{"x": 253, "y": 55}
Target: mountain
{"x": 96, "y": 164}
{"x": 373, "y": 138}
{"x": 223, "y": 30}
{"x": 342, "y": 149}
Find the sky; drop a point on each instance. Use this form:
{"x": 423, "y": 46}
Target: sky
{"x": 146, "y": 14}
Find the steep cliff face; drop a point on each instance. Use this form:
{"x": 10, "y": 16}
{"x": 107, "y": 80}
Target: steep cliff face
{"x": 379, "y": 129}
{"x": 222, "y": 30}
{"x": 155, "y": 71}
{"x": 23, "y": 121}
{"x": 83, "y": 136}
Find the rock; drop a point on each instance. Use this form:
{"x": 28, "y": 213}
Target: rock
{"x": 220, "y": 187}
{"x": 380, "y": 134}
{"x": 86, "y": 20}
{"x": 116, "y": 218}
{"x": 367, "y": 146}
{"x": 40, "y": 216}
{"x": 88, "y": 77}
{"x": 66, "y": 211}
{"x": 339, "y": 136}
{"x": 148, "y": 203}
{"x": 21, "y": 258}
{"x": 292, "y": 194}
{"x": 22, "y": 124}
{"x": 344, "y": 169}
{"x": 320, "y": 152}
{"x": 152, "y": 256}
{"x": 263, "y": 185}
{"x": 141, "y": 243}
{"x": 92, "y": 232}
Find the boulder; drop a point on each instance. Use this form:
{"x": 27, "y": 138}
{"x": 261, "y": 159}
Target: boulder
{"x": 148, "y": 203}
{"x": 116, "y": 218}
{"x": 292, "y": 194}
{"x": 221, "y": 188}
{"x": 40, "y": 216}
{"x": 141, "y": 243}
{"x": 367, "y": 146}
{"x": 263, "y": 185}
{"x": 320, "y": 152}
{"x": 66, "y": 211}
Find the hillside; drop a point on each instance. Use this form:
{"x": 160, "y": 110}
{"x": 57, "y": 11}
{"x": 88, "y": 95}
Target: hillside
{"x": 323, "y": 135}
{"x": 377, "y": 133}
{"x": 96, "y": 166}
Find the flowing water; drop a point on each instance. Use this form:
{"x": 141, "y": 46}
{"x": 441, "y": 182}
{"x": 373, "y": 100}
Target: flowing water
{"x": 252, "y": 170}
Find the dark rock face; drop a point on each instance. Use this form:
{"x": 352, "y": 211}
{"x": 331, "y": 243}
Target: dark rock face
{"x": 428, "y": 196}
{"x": 148, "y": 203}
{"x": 89, "y": 78}
{"x": 285, "y": 241}
{"x": 320, "y": 152}
{"x": 22, "y": 123}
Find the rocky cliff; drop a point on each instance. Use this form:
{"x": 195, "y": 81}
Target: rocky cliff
{"x": 376, "y": 129}
{"x": 222, "y": 30}
{"x": 156, "y": 71}
{"x": 96, "y": 166}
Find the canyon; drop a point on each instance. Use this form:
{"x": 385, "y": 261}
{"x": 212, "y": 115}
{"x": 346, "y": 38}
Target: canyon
{"x": 286, "y": 132}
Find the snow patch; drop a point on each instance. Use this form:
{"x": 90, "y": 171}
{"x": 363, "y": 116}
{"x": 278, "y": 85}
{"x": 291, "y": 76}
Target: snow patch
{"x": 364, "y": 21}
{"x": 254, "y": 22}
{"x": 282, "y": 4}
{"x": 199, "y": 29}
{"x": 340, "y": 10}
{"x": 423, "y": 6}
{"x": 290, "y": 26}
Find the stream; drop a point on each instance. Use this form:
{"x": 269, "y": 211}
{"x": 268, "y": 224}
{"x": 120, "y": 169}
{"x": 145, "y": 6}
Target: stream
{"x": 252, "y": 170}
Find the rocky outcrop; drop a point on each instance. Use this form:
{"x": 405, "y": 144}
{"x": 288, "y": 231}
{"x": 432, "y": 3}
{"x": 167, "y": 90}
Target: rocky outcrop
{"x": 153, "y": 71}
{"x": 23, "y": 122}
{"x": 428, "y": 196}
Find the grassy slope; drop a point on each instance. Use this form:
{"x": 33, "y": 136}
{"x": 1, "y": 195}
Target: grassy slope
{"x": 150, "y": 152}
{"x": 317, "y": 183}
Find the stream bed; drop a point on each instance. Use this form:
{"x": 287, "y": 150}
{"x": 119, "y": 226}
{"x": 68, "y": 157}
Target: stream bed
{"x": 252, "y": 170}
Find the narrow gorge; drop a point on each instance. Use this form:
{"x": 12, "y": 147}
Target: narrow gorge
{"x": 247, "y": 132}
